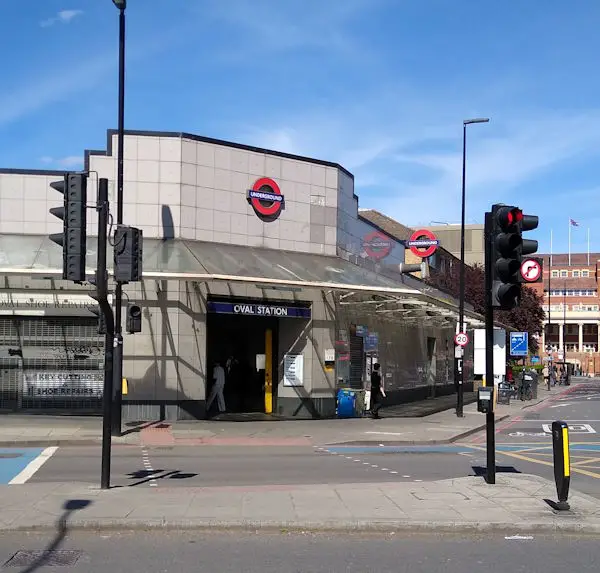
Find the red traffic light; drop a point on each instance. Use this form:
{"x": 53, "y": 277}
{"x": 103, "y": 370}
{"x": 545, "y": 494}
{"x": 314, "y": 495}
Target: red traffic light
{"x": 508, "y": 216}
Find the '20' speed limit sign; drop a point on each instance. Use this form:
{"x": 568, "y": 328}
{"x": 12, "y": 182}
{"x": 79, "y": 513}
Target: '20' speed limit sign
{"x": 461, "y": 339}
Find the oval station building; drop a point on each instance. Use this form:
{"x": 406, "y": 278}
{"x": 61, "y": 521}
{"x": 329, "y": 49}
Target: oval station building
{"x": 254, "y": 259}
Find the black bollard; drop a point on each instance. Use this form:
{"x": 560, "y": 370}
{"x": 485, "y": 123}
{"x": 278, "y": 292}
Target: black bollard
{"x": 562, "y": 463}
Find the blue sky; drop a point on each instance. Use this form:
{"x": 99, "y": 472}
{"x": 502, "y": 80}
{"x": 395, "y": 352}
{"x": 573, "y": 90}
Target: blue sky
{"x": 380, "y": 86}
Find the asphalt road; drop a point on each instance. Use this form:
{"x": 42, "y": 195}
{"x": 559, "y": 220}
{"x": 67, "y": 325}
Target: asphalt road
{"x": 231, "y": 465}
{"x": 523, "y": 445}
{"x": 231, "y": 552}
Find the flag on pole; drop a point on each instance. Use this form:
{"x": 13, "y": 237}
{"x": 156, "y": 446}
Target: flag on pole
{"x": 572, "y": 223}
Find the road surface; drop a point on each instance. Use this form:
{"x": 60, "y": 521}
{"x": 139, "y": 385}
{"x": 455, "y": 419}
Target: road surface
{"x": 232, "y": 552}
{"x": 523, "y": 445}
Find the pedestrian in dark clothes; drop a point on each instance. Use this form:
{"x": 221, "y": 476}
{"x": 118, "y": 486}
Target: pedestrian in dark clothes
{"x": 377, "y": 391}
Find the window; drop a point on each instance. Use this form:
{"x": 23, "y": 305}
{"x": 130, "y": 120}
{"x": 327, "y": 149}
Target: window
{"x": 554, "y": 274}
{"x": 576, "y": 274}
{"x": 585, "y": 273}
{"x": 564, "y": 274}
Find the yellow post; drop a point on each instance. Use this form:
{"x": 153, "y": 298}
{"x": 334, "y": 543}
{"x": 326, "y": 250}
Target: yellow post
{"x": 269, "y": 371}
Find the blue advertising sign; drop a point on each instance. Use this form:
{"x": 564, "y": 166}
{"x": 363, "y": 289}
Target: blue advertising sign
{"x": 259, "y": 309}
{"x": 519, "y": 343}
{"x": 535, "y": 359}
{"x": 361, "y": 330}
{"x": 371, "y": 342}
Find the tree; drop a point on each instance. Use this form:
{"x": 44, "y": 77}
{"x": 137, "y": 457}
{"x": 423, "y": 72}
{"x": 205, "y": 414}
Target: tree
{"x": 528, "y": 317}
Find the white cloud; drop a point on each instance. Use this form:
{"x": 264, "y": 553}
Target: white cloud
{"x": 68, "y": 161}
{"x": 273, "y": 26}
{"x": 43, "y": 90}
{"x": 383, "y": 147}
{"x": 64, "y": 17}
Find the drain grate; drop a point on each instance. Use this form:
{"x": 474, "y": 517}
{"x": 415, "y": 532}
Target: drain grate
{"x": 47, "y": 558}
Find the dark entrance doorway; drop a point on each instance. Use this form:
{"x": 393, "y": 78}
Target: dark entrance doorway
{"x": 240, "y": 344}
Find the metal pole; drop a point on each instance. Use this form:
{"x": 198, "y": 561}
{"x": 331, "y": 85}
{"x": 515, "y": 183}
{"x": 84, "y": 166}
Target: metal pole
{"x": 564, "y": 336}
{"x": 118, "y": 336}
{"x": 459, "y": 366}
{"x": 102, "y": 295}
{"x": 489, "y": 354}
{"x": 548, "y": 345}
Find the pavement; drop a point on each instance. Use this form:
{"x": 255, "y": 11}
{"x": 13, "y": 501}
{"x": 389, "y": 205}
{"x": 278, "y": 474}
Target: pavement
{"x": 341, "y": 475}
{"x": 422, "y": 427}
{"x": 516, "y": 503}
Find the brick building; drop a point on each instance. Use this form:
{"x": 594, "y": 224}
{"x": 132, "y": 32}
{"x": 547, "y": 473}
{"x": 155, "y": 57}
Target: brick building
{"x": 572, "y": 308}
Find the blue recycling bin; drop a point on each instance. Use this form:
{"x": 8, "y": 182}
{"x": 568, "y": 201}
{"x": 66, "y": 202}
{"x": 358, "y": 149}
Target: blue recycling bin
{"x": 346, "y": 403}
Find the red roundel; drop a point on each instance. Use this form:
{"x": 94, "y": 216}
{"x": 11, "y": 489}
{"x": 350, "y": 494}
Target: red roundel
{"x": 423, "y": 243}
{"x": 265, "y": 197}
{"x": 377, "y": 245}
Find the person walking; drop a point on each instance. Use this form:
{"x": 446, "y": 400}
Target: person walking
{"x": 377, "y": 391}
{"x": 217, "y": 389}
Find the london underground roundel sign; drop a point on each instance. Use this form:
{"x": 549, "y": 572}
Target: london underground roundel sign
{"x": 423, "y": 243}
{"x": 266, "y": 198}
{"x": 377, "y": 245}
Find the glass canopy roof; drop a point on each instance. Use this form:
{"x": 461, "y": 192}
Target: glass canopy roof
{"x": 197, "y": 260}
{"x": 178, "y": 259}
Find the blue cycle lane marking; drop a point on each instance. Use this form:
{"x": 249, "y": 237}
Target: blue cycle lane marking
{"x": 456, "y": 449}
{"x": 396, "y": 449}
{"x": 14, "y": 460}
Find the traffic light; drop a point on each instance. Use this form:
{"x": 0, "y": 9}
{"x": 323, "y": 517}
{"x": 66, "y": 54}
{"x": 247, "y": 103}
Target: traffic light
{"x": 73, "y": 213}
{"x": 128, "y": 254}
{"x": 134, "y": 318}
{"x": 507, "y": 251}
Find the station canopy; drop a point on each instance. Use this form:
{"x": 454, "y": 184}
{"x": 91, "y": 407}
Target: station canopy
{"x": 385, "y": 291}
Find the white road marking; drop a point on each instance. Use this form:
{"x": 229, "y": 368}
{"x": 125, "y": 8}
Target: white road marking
{"x": 573, "y": 429}
{"x": 518, "y": 537}
{"x": 387, "y": 433}
{"x": 33, "y": 466}
{"x": 393, "y": 472}
{"x": 149, "y": 468}
{"x": 405, "y": 476}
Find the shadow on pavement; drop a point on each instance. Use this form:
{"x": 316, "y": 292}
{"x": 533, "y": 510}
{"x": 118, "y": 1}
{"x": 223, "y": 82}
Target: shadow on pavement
{"x": 481, "y": 471}
{"x": 47, "y": 556}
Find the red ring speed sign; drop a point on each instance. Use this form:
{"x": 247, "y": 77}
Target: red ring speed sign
{"x": 461, "y": 339}
{"x": 423, "y": 239}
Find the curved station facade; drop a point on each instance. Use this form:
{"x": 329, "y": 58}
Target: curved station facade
{"x": 252, "y": 259}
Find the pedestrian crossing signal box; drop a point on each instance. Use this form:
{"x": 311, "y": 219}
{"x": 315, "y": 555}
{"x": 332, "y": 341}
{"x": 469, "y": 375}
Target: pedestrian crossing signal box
{"x": 485, "y": 399}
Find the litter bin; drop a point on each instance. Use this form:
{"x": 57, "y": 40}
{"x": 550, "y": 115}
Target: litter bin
{"x": 346, "y": 403}
{"x": 504, "y": 392}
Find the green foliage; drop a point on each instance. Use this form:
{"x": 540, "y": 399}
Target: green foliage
{"x": 528, "y": 317}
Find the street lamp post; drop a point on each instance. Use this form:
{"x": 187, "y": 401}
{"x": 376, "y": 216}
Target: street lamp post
{"x": 118, "y": 340}
{"x": 458, "y": 364}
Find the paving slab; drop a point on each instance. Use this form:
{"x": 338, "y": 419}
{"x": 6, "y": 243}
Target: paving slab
{"x": 448, "y": 505}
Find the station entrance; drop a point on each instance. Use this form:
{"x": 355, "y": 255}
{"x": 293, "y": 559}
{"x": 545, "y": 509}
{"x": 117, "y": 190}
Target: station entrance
{"x": 243, "y": 338}
{"x": 245, "y": 346}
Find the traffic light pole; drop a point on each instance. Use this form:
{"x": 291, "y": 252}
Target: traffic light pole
{"x": 102, "y": 295}
{"x": 490, "y": 421}
{"x": 118, "y": 335}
